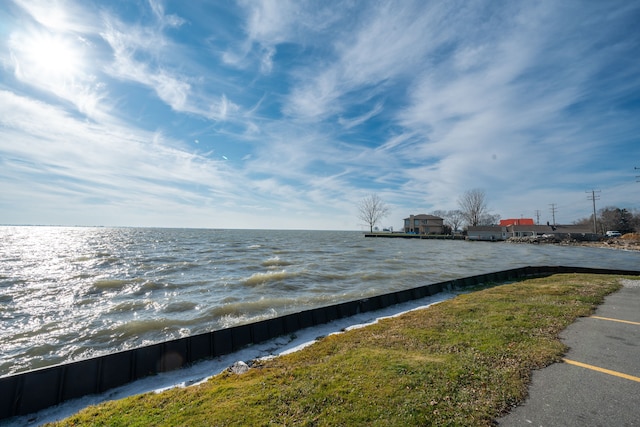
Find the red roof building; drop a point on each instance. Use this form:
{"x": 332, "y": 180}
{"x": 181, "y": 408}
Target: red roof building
{"x": 516, "y": 221}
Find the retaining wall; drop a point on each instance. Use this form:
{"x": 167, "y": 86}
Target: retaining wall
{"x": 29, "y": 392}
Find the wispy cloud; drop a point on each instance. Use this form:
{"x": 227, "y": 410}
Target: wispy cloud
{"x": 267, "y": 25}
{"x": 165, "y": 20}
{"x": 355, "y": 121}
{"x": 143, "y": 54}
{"x": 305, "y": 107}
{"x": 54, "y": 144}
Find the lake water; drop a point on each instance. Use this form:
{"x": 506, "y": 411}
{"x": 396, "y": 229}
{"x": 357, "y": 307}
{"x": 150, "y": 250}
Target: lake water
{"x": 68, "y": 293}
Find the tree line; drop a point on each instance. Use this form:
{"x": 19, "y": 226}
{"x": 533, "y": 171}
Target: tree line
{"x": 612, "y": 218}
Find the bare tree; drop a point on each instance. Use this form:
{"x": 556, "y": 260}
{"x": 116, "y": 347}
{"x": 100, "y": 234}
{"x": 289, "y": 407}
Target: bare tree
{"x": 452, "y": 219}
{"x": 372, "y": 209}
{"x": 442, "y": 214}
{"x": 489, "y": 219}
{"x": 613, "y": 218}
{"x": 473, "y": 206}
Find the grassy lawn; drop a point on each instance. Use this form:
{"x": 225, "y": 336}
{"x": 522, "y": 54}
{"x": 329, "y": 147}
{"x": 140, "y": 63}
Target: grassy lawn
{"x": 461, "y": 362}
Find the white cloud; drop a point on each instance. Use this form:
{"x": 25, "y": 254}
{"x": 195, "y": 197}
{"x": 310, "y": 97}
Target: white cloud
{"x": 58, "y": 15}
{"x": 96, "y": 157}
{"x": 268, "y": 23}
{"x": 315, "y": 105}
{"x": 56, "y": 62}
{"x": 316, "y": 99}
{"x": 172, "y": 21}
{"x": 114, "y": 175}
{"x": 355, "y": 121}
{"x": 389, "y": 42}
{"x": 138, "y": 53}
{"x": 171, "y": 90}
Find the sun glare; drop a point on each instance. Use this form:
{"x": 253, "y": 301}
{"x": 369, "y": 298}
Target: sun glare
{"x": 53, "y": 56}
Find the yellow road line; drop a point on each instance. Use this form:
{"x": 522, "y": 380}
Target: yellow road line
{"x": 604, "y": 371}
{"x": 616, "y": 320}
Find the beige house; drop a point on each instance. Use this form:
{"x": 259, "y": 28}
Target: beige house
{"x": 424, "y": 224}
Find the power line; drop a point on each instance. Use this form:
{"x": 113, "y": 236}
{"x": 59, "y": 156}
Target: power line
{"x": 537, "y": 216}
{"x": 593, "y": 198}
{"x": 553, "y": 210}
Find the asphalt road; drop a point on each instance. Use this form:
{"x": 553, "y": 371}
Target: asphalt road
{"x": 599, "y": 382}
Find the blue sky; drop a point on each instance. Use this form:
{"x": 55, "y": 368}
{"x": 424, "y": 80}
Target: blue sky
{"x": 284, "y": 114}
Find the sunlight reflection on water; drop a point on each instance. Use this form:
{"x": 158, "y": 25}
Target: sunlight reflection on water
{"x": 73, "y": 292}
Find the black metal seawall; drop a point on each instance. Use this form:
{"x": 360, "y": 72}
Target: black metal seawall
{"x": 31, "y": 391}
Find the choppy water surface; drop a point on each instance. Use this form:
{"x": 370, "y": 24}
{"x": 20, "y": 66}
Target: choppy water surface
{"x": 68, "y": 293}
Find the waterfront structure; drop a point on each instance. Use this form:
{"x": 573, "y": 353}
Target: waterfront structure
{"x": 503, "y": 232}
{"x": 559, "y": 231}
{"x": 424, "y": 224}
{"x": 487, "y": 233}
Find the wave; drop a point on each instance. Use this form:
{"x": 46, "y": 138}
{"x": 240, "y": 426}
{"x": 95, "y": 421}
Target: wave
{"x": 101, "y": 285}
{"x": 163, "y": 328}
{"x": 179, "y": 307}
{"x": 174, "y": 267}
{"x": 102, "y": 255}
{"x": 243, "y": 312}
{"x": 275, "y": 262}
{"x": 230, "y": 320}
{"x": 150, "y": 285}
{"x": 105, "y": 284}
{"x": 129, "y": 306}
{"x": 270, "y": 276}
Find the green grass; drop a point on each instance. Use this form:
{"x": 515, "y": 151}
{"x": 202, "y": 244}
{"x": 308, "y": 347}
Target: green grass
{"x": 461, "y": 362}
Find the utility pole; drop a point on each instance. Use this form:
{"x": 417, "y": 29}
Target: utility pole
{"x": 593, "y": 198}
{"x": 537, "y": 216}
{"x": 553, "y": 210}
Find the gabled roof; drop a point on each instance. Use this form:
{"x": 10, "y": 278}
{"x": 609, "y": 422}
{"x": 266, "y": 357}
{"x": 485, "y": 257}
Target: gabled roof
{"x": 424, "y": 216}
{"x": 516, "y": 221}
